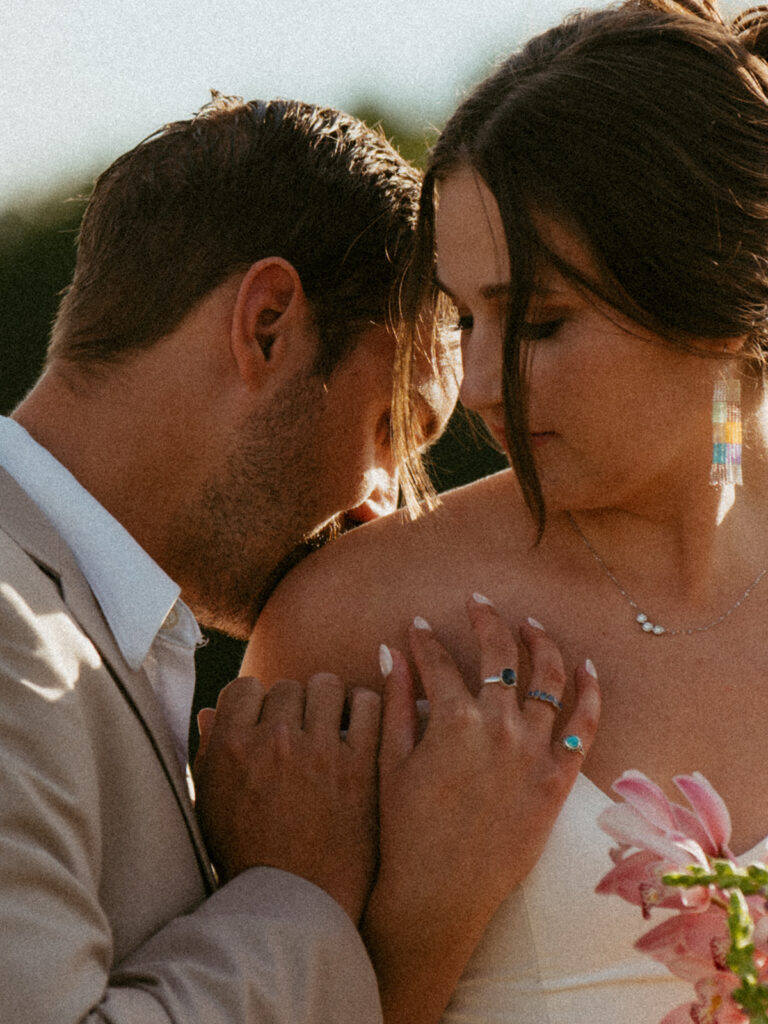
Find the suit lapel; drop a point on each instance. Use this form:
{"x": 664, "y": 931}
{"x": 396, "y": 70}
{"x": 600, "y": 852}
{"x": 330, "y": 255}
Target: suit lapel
{"x": 23, "y": 520}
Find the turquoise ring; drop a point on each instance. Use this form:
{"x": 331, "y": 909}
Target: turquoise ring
{"x": 574, "y": 744}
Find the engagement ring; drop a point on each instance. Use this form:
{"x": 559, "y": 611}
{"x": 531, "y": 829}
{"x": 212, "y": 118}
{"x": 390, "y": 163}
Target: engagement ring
{"x": 507, "y": 677}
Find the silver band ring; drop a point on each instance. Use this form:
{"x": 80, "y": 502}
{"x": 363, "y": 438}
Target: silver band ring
{"x": 574, "y": 744}
{"x": 547, "y": 698}
{"x": 507, "y": 677}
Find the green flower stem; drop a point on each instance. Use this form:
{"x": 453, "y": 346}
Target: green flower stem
{"x": 735, "y": 883}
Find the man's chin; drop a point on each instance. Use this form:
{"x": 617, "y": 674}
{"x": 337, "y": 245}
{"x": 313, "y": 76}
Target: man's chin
{"x": 341, "y": 523}
{"x": 238, "y": 623}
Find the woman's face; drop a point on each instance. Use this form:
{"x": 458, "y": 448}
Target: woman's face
{"x": 614, "y": 414}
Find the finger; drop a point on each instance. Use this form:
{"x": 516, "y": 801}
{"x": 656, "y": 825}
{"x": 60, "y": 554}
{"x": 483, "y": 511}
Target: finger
{"x": 240, "y": 702}
{"x": 364, "y": 720}
{"x": 498, "y": 653}
{"x": 584, "y": 719}
{"x": 284, "y": 703}
{"x": 398, "y": 720}
{"x": 440, "y": 678}
{"x": 324, "y": 705}
{"x": 205, "y": 720}
{"x": 545, "y": 692}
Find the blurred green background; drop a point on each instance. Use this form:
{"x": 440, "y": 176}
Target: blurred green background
{"x": 37, "y": 250}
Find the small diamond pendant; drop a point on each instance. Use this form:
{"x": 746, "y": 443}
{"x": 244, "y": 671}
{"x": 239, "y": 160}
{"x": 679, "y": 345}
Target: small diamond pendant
{"x": 647, "y": 626}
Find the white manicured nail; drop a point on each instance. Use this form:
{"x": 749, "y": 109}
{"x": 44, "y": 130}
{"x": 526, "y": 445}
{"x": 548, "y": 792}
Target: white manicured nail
{"x": 590, "y": 668}
{"x": 385, "y": 660}
{"x": 482, "y": 599}
{"x": 535, "y": 623}
{"x": 420, "y": 623}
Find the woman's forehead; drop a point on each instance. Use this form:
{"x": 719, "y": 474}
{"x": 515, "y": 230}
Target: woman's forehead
{"x": 472, "y": 255}
{"x": 469, "y": 234}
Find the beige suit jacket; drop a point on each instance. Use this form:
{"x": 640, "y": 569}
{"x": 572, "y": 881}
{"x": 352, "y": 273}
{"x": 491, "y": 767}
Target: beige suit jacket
{"x": 108, "y": 909}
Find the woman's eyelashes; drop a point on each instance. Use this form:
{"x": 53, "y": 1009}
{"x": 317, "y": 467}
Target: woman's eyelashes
{"x": 530, "y": 330}
{"x": 536, "y": 330}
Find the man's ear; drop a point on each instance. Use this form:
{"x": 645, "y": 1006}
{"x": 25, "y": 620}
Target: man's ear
{"x": 269, "y": 308}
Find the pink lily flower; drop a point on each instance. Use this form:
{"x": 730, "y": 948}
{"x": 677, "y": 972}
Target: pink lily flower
{"x": 713, "y": 1005}
{"x": 759, "y": 916}
{"x": 657, "y": 836}
{"x": 691, "y": 946}
{"x": 671, "y": 836}
{"x": 710, "y": 811}
{"x": 636, "y": 878}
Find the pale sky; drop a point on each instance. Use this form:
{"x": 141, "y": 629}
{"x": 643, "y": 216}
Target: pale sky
{"x": 87, "y": 79}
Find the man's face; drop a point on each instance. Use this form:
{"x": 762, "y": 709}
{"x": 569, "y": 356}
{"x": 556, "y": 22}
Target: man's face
{"x": 320, "y": 448}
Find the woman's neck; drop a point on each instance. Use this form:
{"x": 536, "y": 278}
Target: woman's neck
{"x": 685, "y": 537}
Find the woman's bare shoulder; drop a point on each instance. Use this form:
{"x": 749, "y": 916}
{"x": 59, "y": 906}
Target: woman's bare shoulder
{"x": 334, "y": 609}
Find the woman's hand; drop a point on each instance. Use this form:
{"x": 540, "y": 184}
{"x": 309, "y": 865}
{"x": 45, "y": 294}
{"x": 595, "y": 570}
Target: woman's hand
{"x": 465, "y": 812}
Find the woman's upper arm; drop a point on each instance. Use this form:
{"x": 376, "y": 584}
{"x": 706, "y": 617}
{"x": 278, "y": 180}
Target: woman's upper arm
{"x": 327, "y": 615}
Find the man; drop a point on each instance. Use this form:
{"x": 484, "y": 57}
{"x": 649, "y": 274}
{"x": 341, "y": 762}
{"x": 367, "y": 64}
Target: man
{"x": 218, "y": 387}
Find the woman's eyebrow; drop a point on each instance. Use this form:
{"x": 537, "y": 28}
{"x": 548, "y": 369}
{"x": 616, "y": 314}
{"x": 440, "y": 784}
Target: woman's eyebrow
{"x": 488, "y": 291}
{"x": 493, "y": 291}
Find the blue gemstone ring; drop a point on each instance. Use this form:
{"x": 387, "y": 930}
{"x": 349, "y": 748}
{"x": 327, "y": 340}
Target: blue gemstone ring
{"x": 507, "y": 677}
{"x": 548, "y": 698}
{"x": 574, "y": 744}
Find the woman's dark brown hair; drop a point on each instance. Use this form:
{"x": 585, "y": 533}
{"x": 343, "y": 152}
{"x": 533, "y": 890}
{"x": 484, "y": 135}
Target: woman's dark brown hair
{"x": 644, "y": 127}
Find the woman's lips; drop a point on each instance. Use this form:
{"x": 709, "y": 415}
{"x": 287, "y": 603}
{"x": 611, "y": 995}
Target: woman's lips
{"x": 538, "y": 438}
{"x": 541, "y": 437}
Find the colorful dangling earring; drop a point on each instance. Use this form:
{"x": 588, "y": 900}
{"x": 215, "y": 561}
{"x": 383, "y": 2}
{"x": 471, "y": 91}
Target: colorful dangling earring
{"x": 726, "y": 433}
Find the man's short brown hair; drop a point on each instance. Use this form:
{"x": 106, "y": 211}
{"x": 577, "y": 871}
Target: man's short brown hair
{"x": 201, "y": 199}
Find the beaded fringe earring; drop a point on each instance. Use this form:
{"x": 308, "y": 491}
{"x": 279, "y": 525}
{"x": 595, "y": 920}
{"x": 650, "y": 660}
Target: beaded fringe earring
{"x": 726, "y": 433}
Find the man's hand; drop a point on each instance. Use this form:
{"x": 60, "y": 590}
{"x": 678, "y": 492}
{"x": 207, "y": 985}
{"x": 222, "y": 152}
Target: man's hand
{"x": 278, "y": 786}
{"x": 466, "y": 811}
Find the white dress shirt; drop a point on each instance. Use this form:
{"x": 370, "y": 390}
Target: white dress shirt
{"x": 152, "y": 626}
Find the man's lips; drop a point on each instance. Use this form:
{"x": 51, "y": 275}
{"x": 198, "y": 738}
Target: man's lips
{"x": 499, "y": 434}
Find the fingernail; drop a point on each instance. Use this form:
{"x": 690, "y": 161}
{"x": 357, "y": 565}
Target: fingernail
{"x": 420, "y": 623}
{"x": 385, "y": 660}
{"x": 481, "y": 599}
{"x": 535, "y": 623}
{"x": 590, "y": 668}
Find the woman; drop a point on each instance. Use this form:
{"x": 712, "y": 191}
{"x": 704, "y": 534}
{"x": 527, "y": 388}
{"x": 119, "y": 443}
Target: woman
{"x": 599, "y": 212}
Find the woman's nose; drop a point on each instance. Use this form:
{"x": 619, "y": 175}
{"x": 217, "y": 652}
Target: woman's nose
{"x": 481, "y": 384}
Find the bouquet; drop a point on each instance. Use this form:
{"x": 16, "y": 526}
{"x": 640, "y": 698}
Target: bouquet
{"x": 678, "y": 857}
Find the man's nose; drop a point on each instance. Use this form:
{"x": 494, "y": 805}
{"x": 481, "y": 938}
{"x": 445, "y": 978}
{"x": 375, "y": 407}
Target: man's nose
{"x": 381, "y": 499}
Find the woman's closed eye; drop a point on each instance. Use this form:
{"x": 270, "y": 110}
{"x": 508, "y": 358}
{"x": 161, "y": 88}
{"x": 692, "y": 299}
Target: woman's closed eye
{"x": 536, "y": 330}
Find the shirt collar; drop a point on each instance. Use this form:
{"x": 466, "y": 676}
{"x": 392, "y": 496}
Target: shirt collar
{"x": 132, "y": 590}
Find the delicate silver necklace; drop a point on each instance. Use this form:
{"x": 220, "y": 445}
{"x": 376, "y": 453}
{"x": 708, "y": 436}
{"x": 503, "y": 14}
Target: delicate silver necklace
{"x": 643, "y": 621}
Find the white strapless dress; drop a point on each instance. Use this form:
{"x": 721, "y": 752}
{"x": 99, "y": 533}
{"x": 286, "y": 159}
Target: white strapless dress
{"x": 557, "y": 953}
